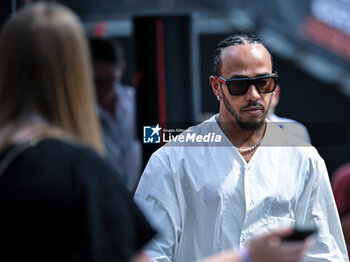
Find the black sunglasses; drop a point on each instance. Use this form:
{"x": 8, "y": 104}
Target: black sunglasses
{"x": 240, "y": 86}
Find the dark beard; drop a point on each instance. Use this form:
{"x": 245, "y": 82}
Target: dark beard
{"x": 251, "y": 126}
{"x": 248, "y": 126}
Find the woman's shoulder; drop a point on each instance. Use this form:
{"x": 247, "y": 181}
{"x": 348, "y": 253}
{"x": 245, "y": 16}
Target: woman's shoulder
{"x": 50, "y": 147}
{"x": 61, "y": 157}
{"x": 57, "y": 151}
{"x": 80, "y": 159}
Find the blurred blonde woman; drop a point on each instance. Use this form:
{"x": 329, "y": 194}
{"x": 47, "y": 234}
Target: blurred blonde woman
{"x": 59, "y": 200}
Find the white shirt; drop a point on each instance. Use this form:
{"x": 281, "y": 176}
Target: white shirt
{"x": 206, "y": 199}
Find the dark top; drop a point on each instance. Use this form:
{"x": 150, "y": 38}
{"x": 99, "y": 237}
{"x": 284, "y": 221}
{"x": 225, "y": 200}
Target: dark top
{"x": 62, "y": 202}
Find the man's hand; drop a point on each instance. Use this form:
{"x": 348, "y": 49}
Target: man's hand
{"x": 271, "y": 248}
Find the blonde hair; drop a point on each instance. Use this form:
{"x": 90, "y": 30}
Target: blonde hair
{"x": 45, "y": 68}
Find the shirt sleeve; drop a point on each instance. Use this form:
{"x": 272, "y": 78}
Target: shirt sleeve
{"x": 156, "y": 195}
{"x": 114, "y": 227}
{"x": 320, "y": 211}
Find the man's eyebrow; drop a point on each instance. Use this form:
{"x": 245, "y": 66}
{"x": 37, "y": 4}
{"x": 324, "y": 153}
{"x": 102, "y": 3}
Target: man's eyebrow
{"x": 245, "y": 76}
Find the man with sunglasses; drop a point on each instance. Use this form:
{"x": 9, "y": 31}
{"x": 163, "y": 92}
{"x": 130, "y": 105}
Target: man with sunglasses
{"x": 205, "y": 198}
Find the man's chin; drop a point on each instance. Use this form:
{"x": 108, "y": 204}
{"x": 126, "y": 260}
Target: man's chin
{"x": 251, "y": 125}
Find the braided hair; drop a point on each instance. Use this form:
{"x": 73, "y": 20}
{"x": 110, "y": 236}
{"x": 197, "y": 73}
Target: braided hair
{"x": 238, "y": 39}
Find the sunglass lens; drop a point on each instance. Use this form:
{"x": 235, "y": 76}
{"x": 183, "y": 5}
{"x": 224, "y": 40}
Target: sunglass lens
{"x": 265, "y": 85}
{"x": 238, "y": 88}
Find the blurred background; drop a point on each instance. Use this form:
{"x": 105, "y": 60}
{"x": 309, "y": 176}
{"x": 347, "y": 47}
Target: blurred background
{"x": 169, "y": 45}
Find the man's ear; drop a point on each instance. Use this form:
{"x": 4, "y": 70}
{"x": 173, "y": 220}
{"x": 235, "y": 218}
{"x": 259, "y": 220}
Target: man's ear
{"x": 215, "y": 86}
{"x": 275, "y": 97}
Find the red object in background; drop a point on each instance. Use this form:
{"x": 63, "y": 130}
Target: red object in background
{"x": 100, "y": 29}
{"x": 327, "y": 37}
{"x": 341, "y": 191}
{"x": 137, "y": 78}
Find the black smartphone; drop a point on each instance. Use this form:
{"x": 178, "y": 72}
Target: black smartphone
{"x": 300, "y": 234}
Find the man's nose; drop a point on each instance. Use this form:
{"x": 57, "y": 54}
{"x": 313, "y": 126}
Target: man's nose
{"x": 252, "y": 93}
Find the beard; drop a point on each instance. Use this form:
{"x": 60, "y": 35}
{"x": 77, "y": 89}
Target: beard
{"x": 249, "y": 125}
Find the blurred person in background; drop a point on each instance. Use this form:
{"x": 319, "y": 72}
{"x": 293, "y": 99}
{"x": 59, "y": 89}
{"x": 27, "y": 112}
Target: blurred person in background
{"x": 59, "y": 200}
{"x": 291, "y": 126}
{"x": 211, "y": 196}
{"x": 116, "y": 109}
{"x": 341, "y": 190}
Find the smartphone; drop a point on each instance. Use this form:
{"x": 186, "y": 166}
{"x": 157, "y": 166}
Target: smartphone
{"x": 300, "y": 234}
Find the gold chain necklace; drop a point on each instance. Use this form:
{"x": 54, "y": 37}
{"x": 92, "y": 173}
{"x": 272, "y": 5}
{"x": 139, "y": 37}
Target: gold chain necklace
{"x": 251, "y": 148}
